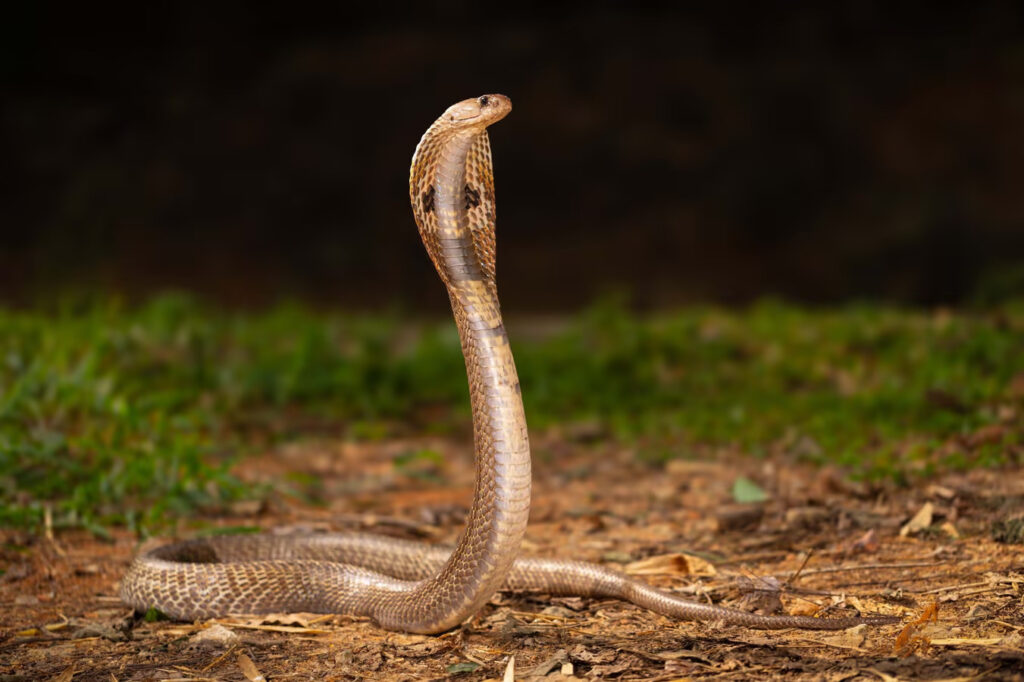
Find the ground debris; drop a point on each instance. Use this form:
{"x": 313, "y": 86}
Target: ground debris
{"x": 214, "y": 637}
{"x": 851, "y": 556}
{"x": 920, "y": 521}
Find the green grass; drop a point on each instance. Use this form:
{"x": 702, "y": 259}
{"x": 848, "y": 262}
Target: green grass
{"x": 131, "y": 416}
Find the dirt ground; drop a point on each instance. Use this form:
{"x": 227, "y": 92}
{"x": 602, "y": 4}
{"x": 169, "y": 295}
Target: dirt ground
{"x": 945, "y": 544}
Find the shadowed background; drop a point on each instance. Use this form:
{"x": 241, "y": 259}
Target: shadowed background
{"x": 722, "y": 153}
{"x": 207, "y": 249}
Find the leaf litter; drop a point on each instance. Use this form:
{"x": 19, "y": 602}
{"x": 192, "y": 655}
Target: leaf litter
{"x": 960, "y": 595}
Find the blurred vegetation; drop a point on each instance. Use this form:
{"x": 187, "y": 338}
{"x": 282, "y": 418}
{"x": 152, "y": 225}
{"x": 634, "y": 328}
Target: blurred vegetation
{"x": 124, "y": 416}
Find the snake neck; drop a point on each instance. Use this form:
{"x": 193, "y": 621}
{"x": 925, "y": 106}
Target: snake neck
{"x": 501, "y": 501}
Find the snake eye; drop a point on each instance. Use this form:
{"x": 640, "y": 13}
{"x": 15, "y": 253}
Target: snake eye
{"x": 484, "y": 100}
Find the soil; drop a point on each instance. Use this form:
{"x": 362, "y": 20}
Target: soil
{"x": 941, "y": 554}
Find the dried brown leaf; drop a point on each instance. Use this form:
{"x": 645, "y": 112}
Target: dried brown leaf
{"x": 672, "y": 564}
{"x": 968, "y": 641}
{"x": 302, "y": 620}
{"x": 581, "y": 654}
{"x": 922, "y": 520}
{"x": 867, "y": 543}
{"x": 249, "y": 669}
{"x": 554, "y": 661}
{"x": 66, "y": 675}
{"x": 853, "y": 638}
{"x": 214, "y": 637}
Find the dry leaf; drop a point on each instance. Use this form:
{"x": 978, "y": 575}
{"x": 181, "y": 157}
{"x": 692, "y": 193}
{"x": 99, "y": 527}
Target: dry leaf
{"x": 807, "y": 517}
{"x": 804, "y": 607}
{"x": 66, "y": 675}
{"x": 610, "y": 670}
{"x": 418, "y": 646}
{"x": 689, "y": 467}
{"x": 922, "y": 519}
{"x": 582, "y": 655}
{"x": 852, "y": 638}
{"x": 281, "y": 628}
{"x": 249, "y": 669}
{"x": 738, "y": 517}
{"x": 554, "y": 661}
{"x": 936, "y": 490}
{"x": 769, "y": 602}
{"x": 213, "y": 637}
{"x": 510, "y": 670}
{"x": 867, "y": 543}
{"x": 671, "y": 564}
{"x": 1013, "y": 640}
{"x": 967, "y": 641}
{"x": 302, "y": 620}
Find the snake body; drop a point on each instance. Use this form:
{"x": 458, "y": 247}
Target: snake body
{"x": 403, "y": 585}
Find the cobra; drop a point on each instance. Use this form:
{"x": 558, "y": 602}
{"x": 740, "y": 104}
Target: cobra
{"x": 399, "y": 584}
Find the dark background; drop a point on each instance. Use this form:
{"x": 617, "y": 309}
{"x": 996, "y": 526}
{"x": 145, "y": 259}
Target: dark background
{"x": 817, "y": 151}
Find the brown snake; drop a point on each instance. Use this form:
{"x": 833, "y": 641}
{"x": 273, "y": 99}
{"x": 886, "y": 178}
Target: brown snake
{"x": 402, "y": 585}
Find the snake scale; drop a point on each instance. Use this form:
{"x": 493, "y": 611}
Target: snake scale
{"x": 403, "y": 585}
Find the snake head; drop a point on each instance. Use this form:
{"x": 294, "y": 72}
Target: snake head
{"x": 479, "y": 112}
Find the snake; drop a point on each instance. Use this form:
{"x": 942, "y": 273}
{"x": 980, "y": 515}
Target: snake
{"x": 400, "y": 584}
